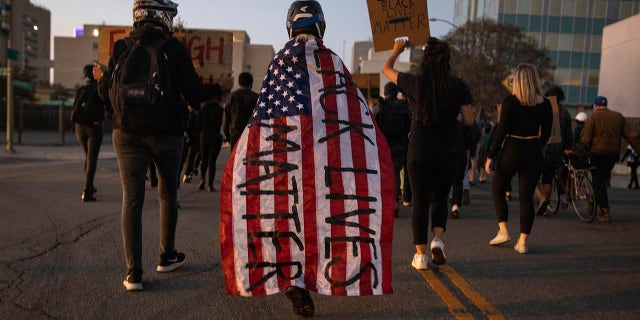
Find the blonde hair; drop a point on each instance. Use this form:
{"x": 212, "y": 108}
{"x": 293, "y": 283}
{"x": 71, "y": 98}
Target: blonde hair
{"x": 526, "y": 85}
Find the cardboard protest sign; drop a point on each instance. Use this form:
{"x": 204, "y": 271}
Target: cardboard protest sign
{"x": 398, "y": 18}
{"x": 211, "y": 50}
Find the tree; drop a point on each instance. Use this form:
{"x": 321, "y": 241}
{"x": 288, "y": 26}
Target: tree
{"x": 484, "y": 54}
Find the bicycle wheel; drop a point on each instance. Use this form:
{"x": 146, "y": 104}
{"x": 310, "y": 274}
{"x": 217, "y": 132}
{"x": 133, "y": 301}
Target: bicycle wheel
{"x": 583, "y": 199}
{"x": 554, "y": 198}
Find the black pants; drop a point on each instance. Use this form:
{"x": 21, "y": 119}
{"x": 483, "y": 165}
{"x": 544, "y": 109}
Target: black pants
{"x": 431, "y": 173}
{"x": 603, "y": 164}
{"x": 90, "y": 138}
{"x": 210, "y": 144}
{"x": 458, "y": 179}
{"x": 134, "y": 153}
{"x": 523, "y": 157}
{"x": 633, "y": 182}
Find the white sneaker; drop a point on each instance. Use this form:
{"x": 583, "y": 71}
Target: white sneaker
{"x": 500, "y": 238}
{"x": 419, "y": 261}
{"x": 437, "y": 252}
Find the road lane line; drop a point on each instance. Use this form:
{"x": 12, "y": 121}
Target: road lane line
{"x": 483, "y": 304}
{"x": 456, "y": 307}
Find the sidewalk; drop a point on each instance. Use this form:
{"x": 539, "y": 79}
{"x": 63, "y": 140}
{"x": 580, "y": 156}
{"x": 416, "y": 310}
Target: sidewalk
{"x": 47, "y": 145}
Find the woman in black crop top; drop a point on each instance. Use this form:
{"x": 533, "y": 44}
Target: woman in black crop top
{"x": 436, "y": 99}
{"x": 524, "y": 127}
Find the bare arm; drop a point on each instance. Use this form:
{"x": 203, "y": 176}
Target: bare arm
{"x": 388, "y": 70}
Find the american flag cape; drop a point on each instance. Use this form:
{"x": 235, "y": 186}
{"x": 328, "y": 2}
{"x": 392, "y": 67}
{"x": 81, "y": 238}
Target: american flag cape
{"x": 308, "y": 193}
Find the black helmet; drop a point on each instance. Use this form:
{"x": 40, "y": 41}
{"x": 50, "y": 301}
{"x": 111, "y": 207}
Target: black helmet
{"x": 305, "y": 16}
{"x": 160, "y": 12}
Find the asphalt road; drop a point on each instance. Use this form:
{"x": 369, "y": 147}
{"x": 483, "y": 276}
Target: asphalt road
{"x": 63, "y": 259}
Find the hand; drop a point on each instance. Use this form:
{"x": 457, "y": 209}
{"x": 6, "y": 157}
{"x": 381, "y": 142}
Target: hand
{"x": 488, "y": 166}
{"x": 400, "y": 44}
{"x": 226, "y": 82}
{"x": 98, "y": 71}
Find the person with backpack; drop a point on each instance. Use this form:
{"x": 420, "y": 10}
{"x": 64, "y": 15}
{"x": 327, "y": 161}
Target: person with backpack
{"x": 148, "y": 73}
{"x": 88, "y": 116}
{"x": 632, "y": 162}
{"x": 239, "y": 109}
{"x": 394, "y": 122}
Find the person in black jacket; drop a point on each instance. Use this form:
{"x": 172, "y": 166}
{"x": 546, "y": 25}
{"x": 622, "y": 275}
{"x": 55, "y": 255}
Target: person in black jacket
{"x": 89, "y": 124}
{"x": 153, "y": 21}
{"x": 239, "y": 109}
{"x": 210, "y": 141}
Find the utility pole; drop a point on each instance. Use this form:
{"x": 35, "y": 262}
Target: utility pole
{"x": 6, "y": 10}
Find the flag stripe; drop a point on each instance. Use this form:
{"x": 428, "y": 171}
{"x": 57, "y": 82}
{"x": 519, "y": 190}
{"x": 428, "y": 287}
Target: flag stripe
{"x": 309, "y": 199}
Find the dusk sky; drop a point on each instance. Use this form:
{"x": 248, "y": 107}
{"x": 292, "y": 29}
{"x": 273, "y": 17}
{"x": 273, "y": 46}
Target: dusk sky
{"x": 263, "y": 20}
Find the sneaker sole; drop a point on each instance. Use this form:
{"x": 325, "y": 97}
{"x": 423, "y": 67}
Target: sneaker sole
{"x": 132, "y": 286}
{"x": 437, "y": 256}
{"x": 498, "y": 243}
{"x": 418, "y": 267}
{"x": 171, "y": 267}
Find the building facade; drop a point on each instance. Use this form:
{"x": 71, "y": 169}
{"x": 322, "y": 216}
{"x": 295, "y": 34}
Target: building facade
{"x": 29, "y": 33}
{"x": 570, "y": 30}
{"x": 72, "y": 53}
{"x": 360, "y": 52}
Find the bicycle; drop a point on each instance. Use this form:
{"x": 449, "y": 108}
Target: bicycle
{"x": 578, "y": 188}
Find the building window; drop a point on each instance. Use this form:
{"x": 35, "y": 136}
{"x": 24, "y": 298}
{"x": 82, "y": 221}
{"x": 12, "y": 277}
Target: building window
{"x": 510, "y": 7}
{"x": 594, "y": 61}
{"x": 564, "y": 59}
{"x": 580, "y": 26}
{"x": 567, "y": 25}
{"x": 576, "y": 77}
{"x": 579, "y": 42}
{"x": 555, "y": 7}
{"x": 565, "y": 42}
{"x": 596, "y": 43}
{"x": 552, "y": 41}
{"x": 613, "y": 11}
{"x": 563, "y": 76}
{"x": 569, "y": 8}
{"x": 522, "y": 21}
{"x": 594, "y": 77}
{"x": 554, "y": 24}
{"x": 523, "y": 6}
{"x": 582, "y": 8}
{"x": 600, "y": 9}
{"x": 626, "y": 10}
{"x": 536, "y": 7}
{"x": 577, "y": 60}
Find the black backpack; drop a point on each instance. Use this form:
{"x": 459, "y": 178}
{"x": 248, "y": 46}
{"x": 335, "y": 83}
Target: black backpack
{"x": 140, "y": 88}
{"x": 83, "y": 110}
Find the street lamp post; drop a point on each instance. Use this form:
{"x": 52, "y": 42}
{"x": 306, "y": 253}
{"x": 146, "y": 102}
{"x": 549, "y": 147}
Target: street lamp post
{"x": 445, "y": 21}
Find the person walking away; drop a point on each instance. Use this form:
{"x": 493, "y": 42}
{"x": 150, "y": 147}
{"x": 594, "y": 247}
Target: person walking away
{"x": 310, "y": 157}
{"x": 239, "y": 110}
{"x": 193, "y": 145}
{"x": 603, "y": 132}
{"x": 145, "y": 129}
{"x": 394, "y": 122}
{"x": 553, "y": 150}
{"x": 483, "y": 150}
{"x": 406, "y": 186}
{"x": 210, "y": 141}
{"x": 88, "y": 116}
{"x": 436, "y": 99}
{"x": 632, "y": 162}
{"x": 524, "y": 127}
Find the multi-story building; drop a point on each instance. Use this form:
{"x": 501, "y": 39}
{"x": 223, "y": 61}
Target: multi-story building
{"x": 29, "y": 28}
{"x": 570, "y": 30}
{"x": 72, "y": 53}
{"x": 359, "y": 54}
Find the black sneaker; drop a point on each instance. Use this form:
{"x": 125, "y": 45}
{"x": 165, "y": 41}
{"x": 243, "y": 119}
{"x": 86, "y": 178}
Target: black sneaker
{"x": 170, "y": 262}
{"x": 133, "y": 281}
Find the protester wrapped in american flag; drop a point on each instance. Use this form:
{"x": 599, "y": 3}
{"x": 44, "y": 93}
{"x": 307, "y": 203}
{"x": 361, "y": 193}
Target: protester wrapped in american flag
{"x": 307, "y": 196}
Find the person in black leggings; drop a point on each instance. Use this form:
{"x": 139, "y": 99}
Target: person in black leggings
{"x": 525, "y": 124}
{"x": 210, "y": 141}
{"x": 431, "y": 156}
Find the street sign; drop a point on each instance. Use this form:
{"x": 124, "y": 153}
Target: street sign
{"x": 12, "y": 54}
{"x": 3, "y": 71}
{"x": 22, "y": 84}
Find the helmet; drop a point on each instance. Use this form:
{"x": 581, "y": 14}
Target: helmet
{"x": 305, "y": 16}
{"x": 160, "y": 12}
{"x": 581, "y": 116}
